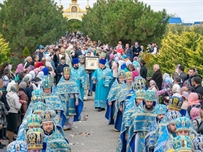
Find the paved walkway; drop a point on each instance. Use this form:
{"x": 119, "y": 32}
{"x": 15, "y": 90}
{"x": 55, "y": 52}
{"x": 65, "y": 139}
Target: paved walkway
{"x": 92, "y": 133}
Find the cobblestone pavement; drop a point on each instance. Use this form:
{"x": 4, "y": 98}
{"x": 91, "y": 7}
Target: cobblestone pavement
{"x": 92, "y": 133}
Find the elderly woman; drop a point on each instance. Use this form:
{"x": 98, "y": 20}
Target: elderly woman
{"x": 12, "y": 117}
{"x": 22, "y": 96}
{"x": 153, "y": 87}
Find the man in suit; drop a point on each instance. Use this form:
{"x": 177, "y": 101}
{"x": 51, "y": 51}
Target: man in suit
{"x": 157, "y": 76}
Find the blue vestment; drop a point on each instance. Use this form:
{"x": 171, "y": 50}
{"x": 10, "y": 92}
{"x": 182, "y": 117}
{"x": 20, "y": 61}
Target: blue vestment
{"x": 164, "y": 142}
{"x": 150, "y": 139}
{"x": 79, "y": 76}
{"x": 120, "y": 102}
{"x": 128, "y": 110}
{"x": 112, "y": 98}
{"x": 103, "y": 77}
{"x": 56, "y": 142}
{"x": 66, "y": 90}
{"x": 54, "y": 102}
{"x": 143, "y": 119}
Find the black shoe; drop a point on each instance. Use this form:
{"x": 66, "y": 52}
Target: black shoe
{"x": 99, "y": 109}
{"x": 102, "y": 109}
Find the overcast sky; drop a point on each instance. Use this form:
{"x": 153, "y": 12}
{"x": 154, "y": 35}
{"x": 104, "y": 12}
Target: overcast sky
{"x": 188, "y": 10}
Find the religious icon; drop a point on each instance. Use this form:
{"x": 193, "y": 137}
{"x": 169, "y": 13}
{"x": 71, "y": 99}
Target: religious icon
{"x": 91, "y": 63}
{"x": 74, "y": 9}
{"x": 183, "y": 123}
{"x": 183, "y": 143}
{"x": 17, "y": 147}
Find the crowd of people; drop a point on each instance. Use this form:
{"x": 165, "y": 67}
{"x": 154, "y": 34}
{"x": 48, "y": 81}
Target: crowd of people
{"x": 46, "y": 94}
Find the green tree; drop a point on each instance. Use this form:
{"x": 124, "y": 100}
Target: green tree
{"x": 26, "y": 52}
{"x": 30, "y": 23}
{"x": 4, "y": 49}
{"x": 180, "y": 48}
{"x": 125, "y": 20}
{"x": 181, "y": 28}
{"x": 74, "y": 25}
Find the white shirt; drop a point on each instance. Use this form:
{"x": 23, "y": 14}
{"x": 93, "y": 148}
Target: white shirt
{"x": 155, "y": 50}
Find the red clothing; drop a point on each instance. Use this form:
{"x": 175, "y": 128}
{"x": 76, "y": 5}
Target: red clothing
{"x": 121, "y": 51}
{"x": 38, "y": 64}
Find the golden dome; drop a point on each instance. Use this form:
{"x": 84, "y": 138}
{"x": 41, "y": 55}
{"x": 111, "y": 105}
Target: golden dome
{"x": 87, "y": 7}
{"x": 74, "y": 1}
{"x": 60, "y": 6}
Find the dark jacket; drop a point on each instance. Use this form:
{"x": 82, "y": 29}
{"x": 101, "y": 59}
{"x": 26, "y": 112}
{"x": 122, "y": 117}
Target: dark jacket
{"x": 199, "y": 90}
{"x": 28, "y": 92}
{"x": 59, "y": 69}
{"x": 108, "y": 55}
{"x": 143, "y": 72}
{"x": 56, "y": 60}
{"x": 136, "y": 51}
{"x": 41, "y": 55}
{"x": 192, "y": 88}
{"x": 190, "y": 78}
{"x": 157, "y": 77}
{"x": 183, "y": 76}
{"x": 77, "y": 54}
{"x": 27, "y": 64}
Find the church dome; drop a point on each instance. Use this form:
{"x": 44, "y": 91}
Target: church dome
{"x": 87, "y": 7}
{"x": 60, "y": 6}
{"x": 74, "y": 1}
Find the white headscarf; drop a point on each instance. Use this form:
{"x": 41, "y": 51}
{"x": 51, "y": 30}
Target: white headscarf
{"x": 33, "y": 74}
{"x": 12, "y": 83}
{"x": 40, "y": 74}
{"x": 176, "y": 88}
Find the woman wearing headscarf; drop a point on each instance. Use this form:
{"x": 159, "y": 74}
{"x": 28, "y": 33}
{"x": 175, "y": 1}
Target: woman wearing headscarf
{"x": 12, "y": 117}
{"x": 195, "y": 116}
{"x": 153, "y": 87}
{"x": 137, "y": 66}
{"x": 193, "y": 101}
{"x": 132, "y": 69}
{"x": 19, "y": 69}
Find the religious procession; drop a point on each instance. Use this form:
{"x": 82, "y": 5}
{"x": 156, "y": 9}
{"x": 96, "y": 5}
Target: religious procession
{"x": 46, "y": 94}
